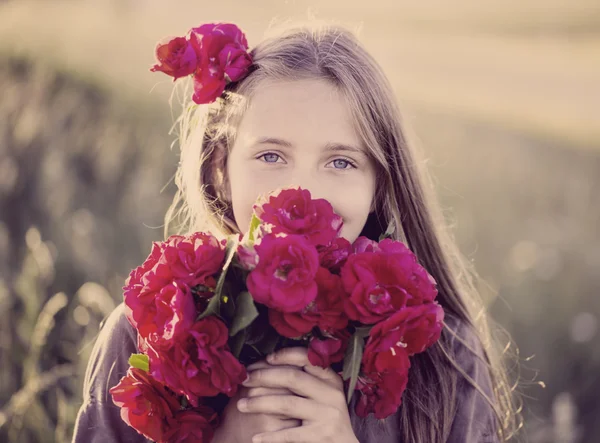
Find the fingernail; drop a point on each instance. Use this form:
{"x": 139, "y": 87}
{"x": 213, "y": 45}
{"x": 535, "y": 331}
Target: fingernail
{"x": 242, "y": 404}
{"x": 247, "y": 380}
{"x": 271, "y": 358}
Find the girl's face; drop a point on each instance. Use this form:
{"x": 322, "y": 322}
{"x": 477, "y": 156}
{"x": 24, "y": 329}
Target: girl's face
{"x": 300, "y": 133}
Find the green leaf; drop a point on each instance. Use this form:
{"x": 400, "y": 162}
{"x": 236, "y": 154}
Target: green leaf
{"x": 213, "y": 308}
{"x": 214, "y": 305}
{"x": 352, "y": 361}
{"x": 268, "y": 344}
{"x": 389, "y": 231}
{"x": 232, "y": 243}
{"x": 363, "y": 331}
{"x": 236, "y": 343}
{"x": 254, "y": 223}
{"x": 140, "y": 361}
{"x": 245, "y": 313}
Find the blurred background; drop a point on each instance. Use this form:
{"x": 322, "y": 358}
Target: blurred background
{"x": 503, "y": 98}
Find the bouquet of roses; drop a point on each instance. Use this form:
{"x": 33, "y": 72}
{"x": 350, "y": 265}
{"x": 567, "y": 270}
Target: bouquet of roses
{"x": 204, "y": 309}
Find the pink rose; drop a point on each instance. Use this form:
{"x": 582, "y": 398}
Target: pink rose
{"x": 176, "y": 58}
{"x": 409, "y": 331}
{"x": 193, "y": 259}
{"x": 381, "y": 394}
{"x": 363, "y": 244}
{"x": 145, "y": 404}
{"x": 223, "y": 56}
{"x": 193, "y": 425}
{"x": 200, "y": 364}
{"x": 326, "y": 311}
{"x": 136, "y": 281}
{"x": 292, "y": 211}
{"x": 284, "y": 278}
{"x": 334, "y": 255}
{"x": 331, "y": 350}
{"x": 161, "y": 316}
{"x": 247, "y": 257}
{"x": 382, "y": 282}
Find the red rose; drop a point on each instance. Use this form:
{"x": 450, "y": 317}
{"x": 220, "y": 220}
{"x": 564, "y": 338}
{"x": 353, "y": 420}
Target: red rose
{"x": 145, "y": 404}
{"x": 135, "y": 281}
{"x": 247, "y": 257}
{"x": 192, "y": 426}
{"x": 381, "y": 394}
{"x": 363, "y": 244}
{"x": 382, "y": 282}
{"x": 409, "y": 331}
{"x": 161, "y": 316}
{"x": 334, "y": 255}
{"x": 292, "y": 211}
{"x": 326, "y": 311}
{"x": 193, "y": 259}
{"x": 200, "y": 364}
{"x": 222, "y": 57}
{"x": 176, "y": 57}
{"x": 331, "y": 350}
{"x": 284, "y": 278}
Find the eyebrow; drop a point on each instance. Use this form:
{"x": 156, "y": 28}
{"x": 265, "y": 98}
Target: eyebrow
{"x": 332, "y": 147}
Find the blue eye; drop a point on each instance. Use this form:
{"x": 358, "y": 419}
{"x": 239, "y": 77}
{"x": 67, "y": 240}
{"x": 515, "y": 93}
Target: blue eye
{"x": 270, "y": 157}
{"x": 340, "y": 163}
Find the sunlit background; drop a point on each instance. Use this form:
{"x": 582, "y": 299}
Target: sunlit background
{"x": 503, "y": 98}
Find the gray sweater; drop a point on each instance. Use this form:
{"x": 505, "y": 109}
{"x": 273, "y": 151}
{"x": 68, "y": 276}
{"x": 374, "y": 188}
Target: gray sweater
{"x": 99, "y": 420}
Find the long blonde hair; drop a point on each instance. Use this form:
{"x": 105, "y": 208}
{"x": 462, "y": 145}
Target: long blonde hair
{"x": 404, "y": 197}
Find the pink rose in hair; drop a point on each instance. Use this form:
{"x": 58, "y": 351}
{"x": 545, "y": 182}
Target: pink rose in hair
{"x": 292, "y": 211}
{"x": 145, "y": 404}
{"x": 326, "y": 311}
{"x": 176, "y": 58}
{"x": 284, "y": 278}
{"x": 222, "y": 51}
{"x": 199, "y": 364}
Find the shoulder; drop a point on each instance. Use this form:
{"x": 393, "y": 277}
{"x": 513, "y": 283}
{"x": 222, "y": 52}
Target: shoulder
{"x": 99, "y": 419}
{"x": 475, "y": 419}
{"x": 109, "y": 359}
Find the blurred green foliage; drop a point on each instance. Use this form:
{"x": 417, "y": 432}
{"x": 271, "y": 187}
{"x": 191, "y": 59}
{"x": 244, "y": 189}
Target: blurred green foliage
{"x": 81, "y": 176}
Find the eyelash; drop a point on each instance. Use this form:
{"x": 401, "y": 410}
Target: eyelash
{"x": 350, "y": 163}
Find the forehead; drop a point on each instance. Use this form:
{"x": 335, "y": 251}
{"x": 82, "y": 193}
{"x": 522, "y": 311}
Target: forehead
{"x": 303, "y": 111}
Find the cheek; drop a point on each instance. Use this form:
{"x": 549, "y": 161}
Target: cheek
{"x": 246, "y": 184}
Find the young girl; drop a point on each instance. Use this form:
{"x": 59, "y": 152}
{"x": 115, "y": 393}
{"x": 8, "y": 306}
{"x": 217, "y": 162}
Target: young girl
{"x": 315, "y": 110}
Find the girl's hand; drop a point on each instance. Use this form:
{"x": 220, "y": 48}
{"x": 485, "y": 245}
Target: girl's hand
{"x": 319, "y": 401}
{"x": 237, "y": 427}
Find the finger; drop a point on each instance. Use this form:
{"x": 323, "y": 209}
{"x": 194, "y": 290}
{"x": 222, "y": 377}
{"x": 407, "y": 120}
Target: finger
{"x": 263, "y": 365}
{"x": 297, "y": 381}
{"x": 298, "y": 356}
{"x": 256, "y": 392}
{"x": 258, "y": 365}
{"x": 302, "y": 434}
{"x": 290, "y": 406}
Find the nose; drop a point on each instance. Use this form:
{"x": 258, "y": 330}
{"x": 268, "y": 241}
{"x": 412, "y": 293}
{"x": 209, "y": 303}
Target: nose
{"x": 310, "y": 182}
